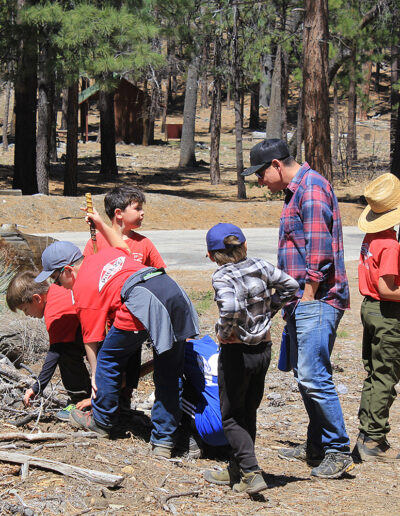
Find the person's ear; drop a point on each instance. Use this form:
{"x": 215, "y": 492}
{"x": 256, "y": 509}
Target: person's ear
{"x": 210, "y": 256}
{"x": 118, "y": 213}
{"x": 275, "y": 163}
{"x": 245, "y": 245}
{"x": 36, "y": 298}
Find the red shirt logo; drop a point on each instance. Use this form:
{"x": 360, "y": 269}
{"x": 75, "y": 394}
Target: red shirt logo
{"x": 109, "y": 270}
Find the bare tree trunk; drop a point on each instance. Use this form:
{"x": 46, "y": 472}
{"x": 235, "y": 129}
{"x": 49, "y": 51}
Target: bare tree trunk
{"x": 395, "y": 97}
{"x": 274, "y": 117}
{"x": 187, "y": 155}
{"x": 107, "y": 130}
{"x": 238, "y": 108}
{"x": 64, "y": 109}
{"x": 7, "y": 98}
{"x": 215, "y": 118}
{"x": 228, "y": 95}
{"x": 315, "y": 87}
{"x": 367, "y": 72}
{"x": 335, "y": 143}
{"x": 254, "y": 106}
{"x": 44, "y": 121}
{"x": 165, "y": 106}
{"x": 299, "y": 132}
{"x": 204, "y": 81}
{"x": 53, "y": 128}
{"x": 71, "y": 162}
{"x": 351, "y": 145}
{"x": 25, "y": 114}
{"x": 266, "y": 79}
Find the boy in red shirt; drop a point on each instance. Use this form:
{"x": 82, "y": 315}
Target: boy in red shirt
{"x": 379, "y": 282}
{"x": 124, "y": 207}
{"x": 66, "y": 350}
{"x": 140, "y": 302}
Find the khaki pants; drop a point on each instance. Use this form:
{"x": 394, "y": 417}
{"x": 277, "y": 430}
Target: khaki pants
{"x": 381, "y": 359}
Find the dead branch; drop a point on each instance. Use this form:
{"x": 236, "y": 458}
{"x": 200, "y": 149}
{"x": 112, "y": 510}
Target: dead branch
{"x": 51, "y": 436}
{"x": 178, "y": 495}
{"x": 90, "y": 475}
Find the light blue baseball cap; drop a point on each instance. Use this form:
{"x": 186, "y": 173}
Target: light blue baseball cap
{"x": 56, "y": 256}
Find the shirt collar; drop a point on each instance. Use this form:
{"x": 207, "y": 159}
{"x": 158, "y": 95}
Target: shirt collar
{"x": 295, "y": 182}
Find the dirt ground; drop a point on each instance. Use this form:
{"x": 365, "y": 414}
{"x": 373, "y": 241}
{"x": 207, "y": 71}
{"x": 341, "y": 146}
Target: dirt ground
{"x": 184, "y": 199}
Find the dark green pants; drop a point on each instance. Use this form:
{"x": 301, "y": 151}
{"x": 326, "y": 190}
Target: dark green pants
{"x": 381, "y": 359}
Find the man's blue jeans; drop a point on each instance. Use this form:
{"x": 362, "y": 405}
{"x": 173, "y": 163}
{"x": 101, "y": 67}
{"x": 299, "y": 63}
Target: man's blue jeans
{"x": 112, "y": 360}
{"x": 167, "y": 412}
{"x": 312, "y": 331}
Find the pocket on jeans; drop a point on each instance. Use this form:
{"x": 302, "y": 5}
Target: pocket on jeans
{"x": 390, "y": 348}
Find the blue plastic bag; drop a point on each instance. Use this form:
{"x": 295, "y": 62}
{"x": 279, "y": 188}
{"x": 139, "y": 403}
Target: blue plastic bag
{"x": 284, "y": 354}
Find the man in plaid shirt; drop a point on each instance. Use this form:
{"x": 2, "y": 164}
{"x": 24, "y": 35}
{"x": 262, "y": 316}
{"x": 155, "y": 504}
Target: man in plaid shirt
{"x": 311, "y": 251}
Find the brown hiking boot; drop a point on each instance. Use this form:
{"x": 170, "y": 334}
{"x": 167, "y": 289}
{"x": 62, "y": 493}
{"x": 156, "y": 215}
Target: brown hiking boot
{"x": 251, "y": 483}
{"x": 370, "y": 451}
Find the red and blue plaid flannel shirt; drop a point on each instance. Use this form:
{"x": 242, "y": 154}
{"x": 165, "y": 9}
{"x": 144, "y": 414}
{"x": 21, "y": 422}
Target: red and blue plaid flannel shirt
{"x": 310, "y": 238}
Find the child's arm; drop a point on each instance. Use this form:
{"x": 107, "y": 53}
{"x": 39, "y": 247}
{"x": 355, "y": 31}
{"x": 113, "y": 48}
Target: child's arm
{"x": 285, "y": 288}
{"x": 112, "y": 237}
{"x": 48, "y": 368}
{"x": 387, "y": 287}
{"x": 91, "y": 349}
{"x": 229, "y": 310}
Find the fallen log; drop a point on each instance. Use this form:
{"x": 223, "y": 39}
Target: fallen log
{"x": 43, "y": 436}
{"x": 90, "y": 475}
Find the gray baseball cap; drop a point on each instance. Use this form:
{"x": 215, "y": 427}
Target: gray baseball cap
{"x": 264, "y": 152}
{"x": 56, "y": 256}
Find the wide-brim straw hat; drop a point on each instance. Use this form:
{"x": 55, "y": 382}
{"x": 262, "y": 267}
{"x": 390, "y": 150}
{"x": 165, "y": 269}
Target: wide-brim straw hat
{"x": 383, "y": 210}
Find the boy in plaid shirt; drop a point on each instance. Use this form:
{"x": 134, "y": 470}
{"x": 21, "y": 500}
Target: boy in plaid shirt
{"x": 246, "y": 305}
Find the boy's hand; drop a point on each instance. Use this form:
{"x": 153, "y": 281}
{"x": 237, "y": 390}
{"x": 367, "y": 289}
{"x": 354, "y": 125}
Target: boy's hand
{"x": 30, "y": 393}
{"x": 87, "y": 402}
{"x": 93, "y": 217}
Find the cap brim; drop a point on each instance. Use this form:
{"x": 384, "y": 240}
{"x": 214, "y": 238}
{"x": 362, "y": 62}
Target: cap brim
{"x": 371, "y": 222}
{"x": 253, "y": 169}
{"x": 43, "y": 276}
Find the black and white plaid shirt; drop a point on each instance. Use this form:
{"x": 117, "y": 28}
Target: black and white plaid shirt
{"x": 244, "y": 298}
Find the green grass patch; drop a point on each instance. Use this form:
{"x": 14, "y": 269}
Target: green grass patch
{"x": 202, "y": 300}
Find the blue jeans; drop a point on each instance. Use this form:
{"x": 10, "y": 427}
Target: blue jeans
{"x": 113, "y": 358}
{"x": 312, "y": 330}
{"x": 167, "y": 412}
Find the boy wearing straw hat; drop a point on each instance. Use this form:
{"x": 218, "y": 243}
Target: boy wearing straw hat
{"x": 379, "y": 283}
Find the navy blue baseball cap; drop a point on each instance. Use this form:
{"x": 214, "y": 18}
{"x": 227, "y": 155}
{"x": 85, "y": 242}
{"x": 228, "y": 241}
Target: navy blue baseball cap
{"x": 264, "y": 152}
{"x": 216, "y": 235}
{"x": 56, "y": 256}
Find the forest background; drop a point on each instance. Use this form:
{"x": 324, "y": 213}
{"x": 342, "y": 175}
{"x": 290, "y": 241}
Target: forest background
{"x": 297, "y": 61}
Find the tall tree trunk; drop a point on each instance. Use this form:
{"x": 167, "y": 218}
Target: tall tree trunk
{"x": 7, "y": 97}
{"x": 266, "y": 80}
{"x": 351, "y": 145}
{"x": 228, "y": 95}
{"x": 187, "y": 155}
{"x": 165, "y": 106}
{"x": 71, "y": 161}
{"x": 241, "y": 186}
{"x": 335, "y": 143}
{"x": 317, "y": 140}
{"x": 215, "y": 118}
{"x": 64, "y": 109}
{"x": 395, "y": 96}
{"x": 53, "y": 128}
{"x": 274, "y": 117}
{"x": 367, "y": 72}
{"x": 153, "y": 109}
{"x": 204, "y": 80}
{"x": 25, "y": 111}
{"x": 299, "y": 131}
{"x": 254, "y": 106}
{"x": 44, "y": 121}
{"x": 107, "y": 130}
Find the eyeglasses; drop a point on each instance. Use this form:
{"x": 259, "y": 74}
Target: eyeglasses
{"x": 57, "y": 279}
{"x": 260, "y": 173}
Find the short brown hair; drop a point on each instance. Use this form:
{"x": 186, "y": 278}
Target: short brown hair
{"x": 235, "y": 253}
{"x": 121, "y": 197}
{"x": 22, "y": 288}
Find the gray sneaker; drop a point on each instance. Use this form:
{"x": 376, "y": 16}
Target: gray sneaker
{"x": 334, "y": 465}
{"x": 229, "y": 476}
{"x": 302, "y": 452}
